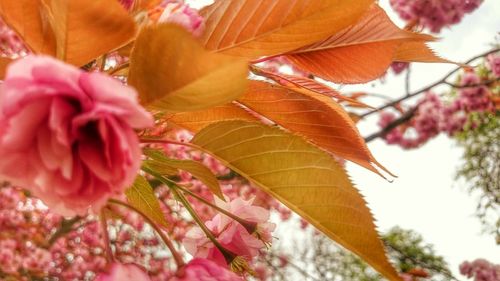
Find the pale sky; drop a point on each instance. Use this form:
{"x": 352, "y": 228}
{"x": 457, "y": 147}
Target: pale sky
{"x": 425, "y": 196}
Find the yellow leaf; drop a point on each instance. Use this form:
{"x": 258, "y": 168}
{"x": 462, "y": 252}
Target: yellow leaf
{"x": 251, "y": 28}
{"x": 84, "y": 29}
{"x": 357, "y": 54}
{"x": 172, "y": 71}
{"x": 195, "y": 168}
{"x": 316, "y": 117}
{"x": 29, "y": 20}
{"x": 197, "y": 120}
{"x": 142, "y": 197}
{"x": 304, "y": 178}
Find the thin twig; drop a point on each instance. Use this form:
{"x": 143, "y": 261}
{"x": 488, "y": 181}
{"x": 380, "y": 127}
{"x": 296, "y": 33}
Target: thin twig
{"x": 407, "y": 80}
{"x": 404, "y": 118}
{"x": 105, "y": 234}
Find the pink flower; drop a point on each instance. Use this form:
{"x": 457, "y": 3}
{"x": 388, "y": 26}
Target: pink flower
{"x": 68, "y": 135}
{"x": 127, "y": 4}
{"x": 494, "y": 64}
{"x": 406, "y": 277}
{"x": 231, "y": 234}
{"x": 184, "y": 16}
{"x": 121, "y": 272}
{"x": 204, "y": 270}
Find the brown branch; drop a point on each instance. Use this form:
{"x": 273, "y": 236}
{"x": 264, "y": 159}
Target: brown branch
{"x": 484, "y": 83}
{"x": 404, "y": 118}
{"x": 425, "y": 89}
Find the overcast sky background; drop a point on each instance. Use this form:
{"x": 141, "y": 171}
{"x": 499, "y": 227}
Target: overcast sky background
{"x": 425, "y": 196}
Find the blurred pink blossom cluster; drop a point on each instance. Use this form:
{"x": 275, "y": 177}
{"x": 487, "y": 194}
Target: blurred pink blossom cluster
{"x": 204, "y": 270}
{"x": 480, "y": 270}
{"x": 177, "y": 12}
{"x": 434, "y": 116}
{"x": 494, "y": 64}
{"x": 10, "y": 44}
{"x": 28, "y": 250}
{"x": 398, "y": 67}
{"x": 434, "y": 14}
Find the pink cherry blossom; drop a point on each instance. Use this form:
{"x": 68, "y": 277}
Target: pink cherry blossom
{"x": 434, "y": 15}
{"x": 127, "y": 4}
{"x": 10, "y": 44}
{"x": 231, "y": 234}
{"x": 204, "y": 270}
{"x": 480, "y": 270}
{"x": 493, "y": 62}
{"x": 183, "y": 15}
{"x": 121, "y": 272}
{"x": 398, "y": 67}
{"x": 68, "y": 135}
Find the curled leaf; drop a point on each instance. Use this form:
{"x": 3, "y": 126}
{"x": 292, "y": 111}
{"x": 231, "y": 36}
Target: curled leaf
{"x": 173, "y": 73}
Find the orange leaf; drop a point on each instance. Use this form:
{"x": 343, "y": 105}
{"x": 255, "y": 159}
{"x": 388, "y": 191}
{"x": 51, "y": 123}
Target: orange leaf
{"x": 28, "y": 19}
{"x": 357, "y": 54}
{"x": 292, "y": 81}
{"x": 197, "y": 120}
{"x": 316, "y": 117}
{"x": 251, "y": 28}
{"x": 86, "y": 29}
{"x": 417, "y": 51}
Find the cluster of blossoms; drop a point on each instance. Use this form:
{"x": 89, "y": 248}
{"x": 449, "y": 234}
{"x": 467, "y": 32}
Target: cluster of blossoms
{"x": 431, "y": 14}
{"x": 433, "y": 116}
{"x": 78, "y": 128}
{"x": 480, "y": 270}
{"x": 434, "y": 14}
{"x": 11, "y": 45}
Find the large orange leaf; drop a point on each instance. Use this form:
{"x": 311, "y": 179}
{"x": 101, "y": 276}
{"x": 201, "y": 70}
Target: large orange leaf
{"x": 304, "y": 178}
{"x": 197, "y": 120}
{"x": 417, "y": 51}
{"x": 86, "y": 29}
{"x": 252, "y": 28}
{"x": 316, "y": 117}
{"x": 28, "y": 18}
{"x": 357, "y": 54}
{"x": 174, "y": 73}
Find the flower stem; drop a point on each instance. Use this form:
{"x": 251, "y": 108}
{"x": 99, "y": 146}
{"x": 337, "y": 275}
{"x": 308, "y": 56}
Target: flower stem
{"x": 248, "y": 225}
{"x": 107, "y": 242}
{"x": 228, "y": 255}
{"x": 177, "y": 257}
